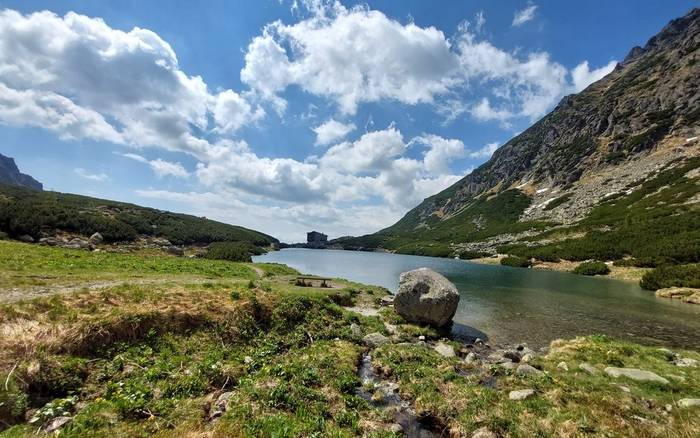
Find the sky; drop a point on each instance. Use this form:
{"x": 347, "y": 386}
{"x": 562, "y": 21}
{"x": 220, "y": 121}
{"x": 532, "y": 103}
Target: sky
{"x": 291, "y": 116}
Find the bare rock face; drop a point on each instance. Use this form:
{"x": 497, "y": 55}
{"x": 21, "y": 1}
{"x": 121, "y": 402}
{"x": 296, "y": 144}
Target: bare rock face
{"x": 425, "y": 296}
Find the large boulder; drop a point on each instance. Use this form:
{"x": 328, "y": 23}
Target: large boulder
{"x": 425, "y": 296}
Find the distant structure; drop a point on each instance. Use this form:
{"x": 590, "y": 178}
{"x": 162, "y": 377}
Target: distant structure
{"x": 314, "y": 239}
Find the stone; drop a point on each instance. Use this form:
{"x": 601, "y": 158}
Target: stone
{"x": 527, "y": 357}
{"x": 623, "y": 388}
{"x": 689, "y": 402}
{"x": 590, "y": 369}
{"x": 50, "y": 241}
{"x": 247, "y": 360}
{"x": 685, "y": 294}
{"x": 387, "y": 300}
{"x": 563, "y": 366}
{"x": 483, "y": 432}
{"x": 26, "y": 238}
{"x": 686, "y": 362}
{"x": 220, "y": 405}
{"x": 508, "y": 365}
{"x": 396, "y": 428}
{"x": 521, "y": 394}
{"x": 527, "y": 370}
{"x": 445, "y": 350}
{"x": 96, "y": 239}
{"x": 77, "y": 242}
{"x": 174, "y": 250}
{"x": 471, "y": 357}
{"x": 635, "y": 374}
{"x": 421, "y": 338}
{"x": 57, "y": 423}
{"x": 355, "y": 330}
{"x": 375, "y": 339}
{"x": 425, "y": 296}
{"x": 512, "y": 355}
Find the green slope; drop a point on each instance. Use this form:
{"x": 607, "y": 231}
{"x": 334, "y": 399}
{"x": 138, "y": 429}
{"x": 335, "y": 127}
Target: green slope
{"x": 25, "y": 211}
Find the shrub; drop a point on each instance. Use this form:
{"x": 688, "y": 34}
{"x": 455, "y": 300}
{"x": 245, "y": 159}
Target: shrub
{"x": 469, "y": 255}
{"x": 592, "y": 268}
{"x": 672, "y": 276}
{"x": 13, "y": 403}
{"x": 232, "y": 251}
{"x": 517, "y": 262}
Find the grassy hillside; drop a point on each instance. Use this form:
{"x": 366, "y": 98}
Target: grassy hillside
{"x": 194, "y": 347}
{"x": 24, "y": 211}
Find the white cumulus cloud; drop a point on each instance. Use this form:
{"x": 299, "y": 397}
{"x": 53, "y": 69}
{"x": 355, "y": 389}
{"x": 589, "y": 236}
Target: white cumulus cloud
{"x": 583, "y": 76}
{"x": 331, "y": 131}
{"x": 160, "y": 166}
{"x": 524, "y": 15}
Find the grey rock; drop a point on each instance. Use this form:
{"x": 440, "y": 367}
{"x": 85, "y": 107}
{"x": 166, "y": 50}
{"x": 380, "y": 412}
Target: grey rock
{"x": 425, "y": 296}
{"x": 395, "y": 428}
{"x": 50, "y": 241}
{"x": 220, "y": 405}
{"x": 375, "y": 339}
{"x": 174, "y": 250}
{"x": 563, "y": 366}
{"x": 686, "y": 362}
{"x": 635, "y": 374}
{"x": 77, "y": 242}
{"x": 508, "y": 365}
{"x": 387, "y": 300}
{"x": 689, "y": 402}
{"x": 471, "y": 357}
{"x": 512, "y": 355}
{"x": 26, "y": 238}
{"x": 527, "y": 357}
{"x": 96, "y": 239}
{"x": 445, "y": 350}
{"x": 57, "y": 423}
{"x": 521, "y": 394}
{"x": 483, "y": 432}
{"x": 624, "y": 388}
{"x": 590, "y": 369}
{"x": 527, "y": 370}
{"x": 355, "y": 329}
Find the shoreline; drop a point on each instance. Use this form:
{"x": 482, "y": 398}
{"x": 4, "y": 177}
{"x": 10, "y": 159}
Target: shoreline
{"x": 623, "y": 273}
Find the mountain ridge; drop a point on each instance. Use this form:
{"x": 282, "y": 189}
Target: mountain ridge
{"x": 628, "y": 127}
{"x": 10, "y": 174}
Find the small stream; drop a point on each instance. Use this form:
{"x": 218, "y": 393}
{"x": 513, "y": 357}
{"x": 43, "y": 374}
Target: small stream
{"x": 404, "y": 414}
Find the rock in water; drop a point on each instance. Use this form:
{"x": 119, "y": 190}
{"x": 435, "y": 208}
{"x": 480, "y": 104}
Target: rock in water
{"x": 427, "y": 297}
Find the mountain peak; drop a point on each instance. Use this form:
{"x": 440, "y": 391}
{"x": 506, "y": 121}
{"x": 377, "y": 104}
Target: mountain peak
{"x": 10, "y": 175}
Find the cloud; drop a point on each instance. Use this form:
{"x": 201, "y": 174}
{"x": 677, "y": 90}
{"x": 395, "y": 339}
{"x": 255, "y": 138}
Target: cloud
{"x": 440, "y": 153}
{"x": 99, "y": 177}
{"x": 486, "y": 151}
{"x": 523, "y": 16}
{"x": 160, "y": 167}
{"x": 583, "y": 76}
{"x": 79, "y": 77}
{"x": 352, "y": 56}
{"x": 331, "y": 131}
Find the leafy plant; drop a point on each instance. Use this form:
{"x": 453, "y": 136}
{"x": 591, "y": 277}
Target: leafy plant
{"x": 592, "y": 268}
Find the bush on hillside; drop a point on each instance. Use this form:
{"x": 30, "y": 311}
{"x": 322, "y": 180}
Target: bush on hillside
{"x": 231, "y": 251}
{"x": 592, "y": 268}
{"x": 517, "y": 262}
{"x": 469, "y": 255}
{"x": 672, "y": 276}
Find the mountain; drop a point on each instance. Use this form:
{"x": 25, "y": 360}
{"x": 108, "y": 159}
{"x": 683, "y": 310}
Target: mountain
{"x": 10, "y": 174}
{"x": 611, "y": 172}
{"x": 37, "y": 214}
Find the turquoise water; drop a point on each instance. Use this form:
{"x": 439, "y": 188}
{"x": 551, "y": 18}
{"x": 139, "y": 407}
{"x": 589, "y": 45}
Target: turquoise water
{"x": 508, "y": 305}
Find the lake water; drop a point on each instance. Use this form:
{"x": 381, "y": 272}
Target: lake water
{"x": 509, "y": 305}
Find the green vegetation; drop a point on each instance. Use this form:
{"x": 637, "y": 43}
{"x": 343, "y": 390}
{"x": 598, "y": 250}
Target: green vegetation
{"x": 516, "y": 262}
{"x": 232, "y": 251}
{"x": 672, "y": 276}
{"x": 470, "y": 255}
{"x": 654, "y": 224}
{"x": 554, "y": 203}
{"x": 592, "y": 268}
{"x": 565, "y": 403}
{"x": 25, "y": 211}
{"x": 204, "y": 350}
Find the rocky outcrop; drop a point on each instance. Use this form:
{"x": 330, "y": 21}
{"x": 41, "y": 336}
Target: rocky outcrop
{"x": 685, "y": 294}
{"x": 635, "y": 374}
{"x": 426, "y": 297}
{"x": 10, "y": 175}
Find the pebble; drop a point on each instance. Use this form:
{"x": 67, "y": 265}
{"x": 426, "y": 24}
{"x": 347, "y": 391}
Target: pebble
{"x": 483, "y": 432}
{"x": 624, "y": 388}
{"x": 471, "y": 357}
{"x": 355, "y": 330}
{"x": 590, "y": 369}
{"x": 58, "y": 423}
{"x": 527, "y": 370}
{"x": 686, "y": 362}
{"x": 527, "y": 357}
{"x": 445, "y": 350}
{"x": 521, "y": 394}
{"x": 563, "y": 366}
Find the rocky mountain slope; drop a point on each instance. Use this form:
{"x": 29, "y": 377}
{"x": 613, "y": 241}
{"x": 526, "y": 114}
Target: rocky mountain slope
{"x": 607, "y": 164}
{"x": 10, "y": 174}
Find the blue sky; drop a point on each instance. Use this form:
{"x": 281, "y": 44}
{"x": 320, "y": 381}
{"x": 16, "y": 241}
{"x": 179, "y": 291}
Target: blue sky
{"x": 290, "y": 116}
